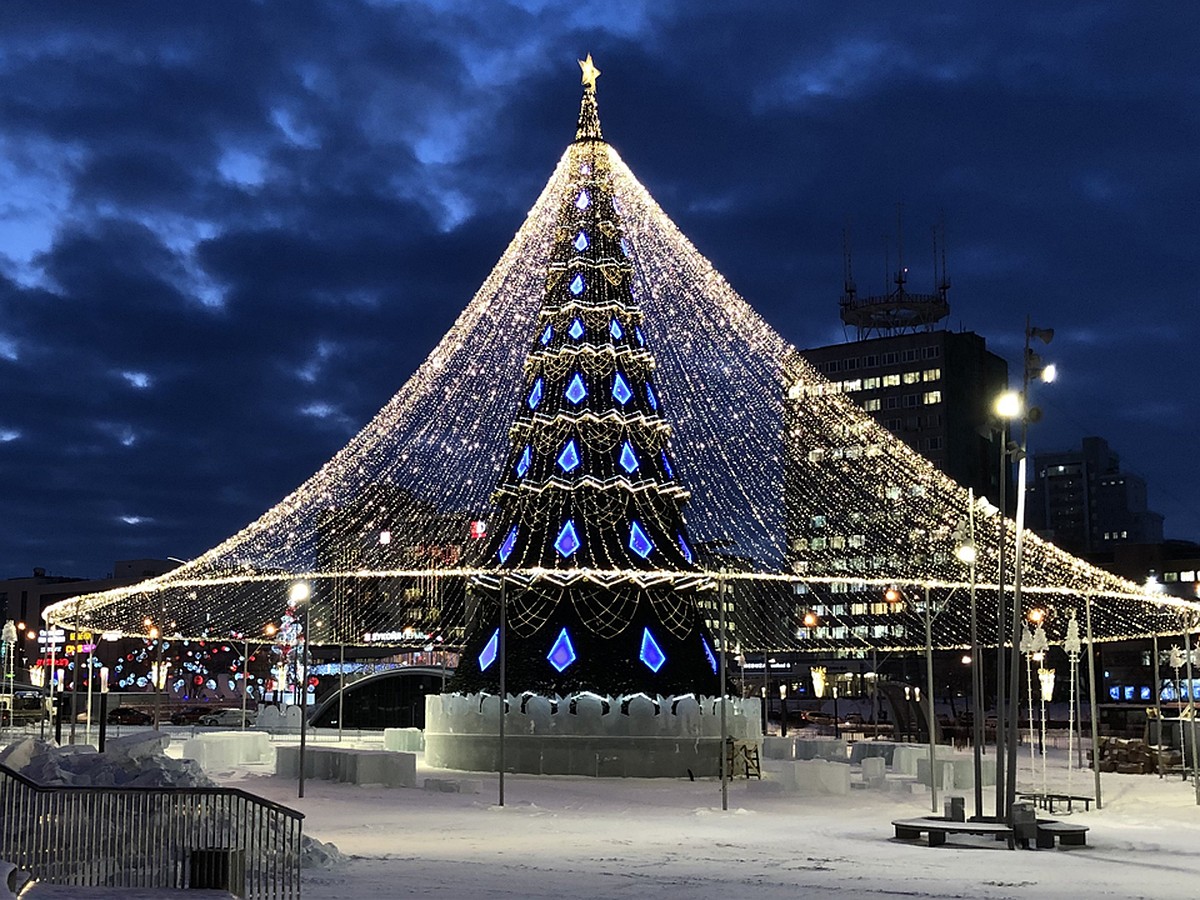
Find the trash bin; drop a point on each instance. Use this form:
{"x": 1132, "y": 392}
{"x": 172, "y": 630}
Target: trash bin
{"x": 955, "y": 809}
{"x": 218, "y": 868}
{"x": 1024, "y": 822}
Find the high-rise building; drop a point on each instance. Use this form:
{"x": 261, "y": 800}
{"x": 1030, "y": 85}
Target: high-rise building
{"x": 1083, "y": 502}
{"x": 932, "y": 389}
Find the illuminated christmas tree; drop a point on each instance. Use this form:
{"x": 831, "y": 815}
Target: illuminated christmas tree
{"x": 604, "y": 581}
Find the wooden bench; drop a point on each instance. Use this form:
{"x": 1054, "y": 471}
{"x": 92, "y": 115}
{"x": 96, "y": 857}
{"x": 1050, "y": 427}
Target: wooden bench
{"x": 938, "y": 828}
{"x": 1068, "y": 834}
{"x": 1047, "y": 801}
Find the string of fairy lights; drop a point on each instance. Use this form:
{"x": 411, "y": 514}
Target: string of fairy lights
{"x": 822, "y": 530}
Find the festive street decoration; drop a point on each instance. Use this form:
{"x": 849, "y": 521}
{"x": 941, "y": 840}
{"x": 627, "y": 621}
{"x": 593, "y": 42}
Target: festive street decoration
{"x": 605, "y": 377}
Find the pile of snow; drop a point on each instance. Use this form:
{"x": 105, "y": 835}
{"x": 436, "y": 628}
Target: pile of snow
{"x": 132, "y": 760}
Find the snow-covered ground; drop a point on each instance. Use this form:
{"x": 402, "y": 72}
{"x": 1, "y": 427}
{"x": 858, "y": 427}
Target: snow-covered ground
{"x": 561, "y": 837}
{"x": 617, "y": 839}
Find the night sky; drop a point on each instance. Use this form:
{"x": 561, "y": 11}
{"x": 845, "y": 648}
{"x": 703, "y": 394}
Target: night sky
{"x": 231, "y": 231}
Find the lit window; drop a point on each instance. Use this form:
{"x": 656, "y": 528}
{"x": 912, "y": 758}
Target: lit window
{"x": 911, "y": 377}
{"x": 855, "y": 385}
{"x": 872, "y": 405}
{"x": 891, "y": 380}
{"x": 931, "y": 374}
{"x": 933, "y": 397}
{"x": 869, "y": 384}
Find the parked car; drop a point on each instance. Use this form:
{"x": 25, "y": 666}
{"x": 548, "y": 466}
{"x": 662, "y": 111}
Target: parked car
{"x": 189, "y": 716}
{"x": 129, "y": 715}
{"x": 227, "y": 717}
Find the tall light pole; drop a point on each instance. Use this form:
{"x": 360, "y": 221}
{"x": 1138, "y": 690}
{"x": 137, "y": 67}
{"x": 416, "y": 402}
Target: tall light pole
{"x": 300, "y": 596}
{"x": 1032, "y": 367}
{"x": 967, "y": 553}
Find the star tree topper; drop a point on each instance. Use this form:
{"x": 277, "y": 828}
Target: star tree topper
{"x": 590, "y": 72}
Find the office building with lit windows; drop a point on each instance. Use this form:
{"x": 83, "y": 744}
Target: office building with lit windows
{"x": 932, "y": 389}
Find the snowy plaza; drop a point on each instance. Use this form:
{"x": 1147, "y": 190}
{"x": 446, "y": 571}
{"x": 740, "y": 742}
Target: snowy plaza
{"x": 669, "y": 838}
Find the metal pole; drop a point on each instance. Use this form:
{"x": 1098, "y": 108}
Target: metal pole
{"x": 976, "y": 674}
{"x": 724, "y": 748}
{"x": 932, "y": 723}
{"x": 75, "y": 677}
{"x": 302, "y": 692}
{"x": 1014, "y": 674}
{"x": 91, "y": 671}
{"x": 1001, "y": 618}
{"x": 1158, "y": 720}
{"x": 341, "y": 685}
{"x": 245, "y": 681}
{"x": 1092, "y": 695}
{"x": 503, "y": 684}
{"x": 158, "y": 679}
{"x": 1187, "y": 649}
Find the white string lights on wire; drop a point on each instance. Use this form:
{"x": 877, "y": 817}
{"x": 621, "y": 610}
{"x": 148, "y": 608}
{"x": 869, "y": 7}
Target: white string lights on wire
{"x": 799, "y": 501}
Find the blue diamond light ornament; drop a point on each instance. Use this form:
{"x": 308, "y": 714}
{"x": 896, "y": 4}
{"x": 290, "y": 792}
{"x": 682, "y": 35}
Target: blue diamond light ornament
{"x": 535, "y": 395}
{"x": 652, "y": 397}
{"x": 576, "y": 390}
{"x": 621, "y": 392}
{"x": 567, "y": 541}
{"x": 684, "y": 548}
{"x": 490, "y": 651}
{"x": 708, "y": 654}
{"x": 576, "y": 329}
{"x": 667, "y": 466}
{"x": 568, "y": 460}
{"x": 577, "y": 284}
{"x": 615, "y": 329}
{"x": 547, "y": 335}
{"x": 629, "y": 461}
{"x": 581, "y": 242}
{"x": 652, "y": 654}
{"x": 562, "y": 653}
{"x": 525, "y": 461}
{"x": 582, "y": 201}
{"x": 506, "y": 548}
{"x": 637, "y": 333}
{"x": 639, "y": 541}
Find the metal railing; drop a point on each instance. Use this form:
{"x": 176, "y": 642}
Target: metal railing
{"x": 147, "y": 837}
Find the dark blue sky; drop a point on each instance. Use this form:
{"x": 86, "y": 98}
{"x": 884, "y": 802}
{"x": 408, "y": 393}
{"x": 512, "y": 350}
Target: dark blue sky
{"x": 231, "y": 231}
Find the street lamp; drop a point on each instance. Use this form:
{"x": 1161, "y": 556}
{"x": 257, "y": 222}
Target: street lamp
{"x": 1032, "y": 368}
{"x": 300, "y": 596}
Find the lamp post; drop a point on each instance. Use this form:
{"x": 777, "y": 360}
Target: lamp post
{"x": 1032, "y": 367}
{"x": 300, "y": 596}
{"x": 968, "y": 554}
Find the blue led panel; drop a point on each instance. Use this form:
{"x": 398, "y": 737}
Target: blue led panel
{"x": 667, "y": 466}
{"x": 576, "y": 329}
{"x": 616, "y": 330}
{"x": 684, "y": 548}
{"x": 708, "y": 654}
{"x": 621, "y": 392}
{"x": 637, "y": 333}
{"x": 567, "y": 541}
{"x": 576, "y": 390}
{"x": 490, "y": 650}
{"x": 568, "y": 460}
{"x": 535, "y": 395}
{"x": 629, "y": 460}
{"x": 577, "y": 284}
{"x": 581, "y": 242}
{"x": 525, "y": 461}
{"x": 652, "y": 397}
{"x": 506, "y": 548}
{"x": 547, "y": 335}
{"x": 652, "y": 654}
{"x": 639, "y": 541}
{"x": 582, "y": 201}
{"x": 562, "y": 654}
